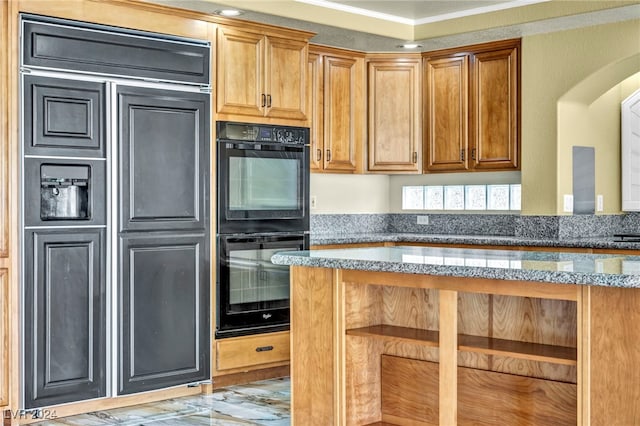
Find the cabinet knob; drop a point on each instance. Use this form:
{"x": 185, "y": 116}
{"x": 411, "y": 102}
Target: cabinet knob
{"x": 473, "y": 154}
{"x": 264, "y": 348}
{"x": 415, "y": 157}
{"x": 264, "y": 100}
{"x": 328, "y": 156}
{"x": 268, "y": 101}
{"x": 318, "y": 154}
{"x": 462, "y": 155}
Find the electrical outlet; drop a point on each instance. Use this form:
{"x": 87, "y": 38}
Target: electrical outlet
{"x": 423, "y": 220}
{"x": 568, "y": 203}
{"x": 600, "y": 203}
{"x": 313, "y": 202}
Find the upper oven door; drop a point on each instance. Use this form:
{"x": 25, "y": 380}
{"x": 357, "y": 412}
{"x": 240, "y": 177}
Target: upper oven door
{"x": 262, "y": 187}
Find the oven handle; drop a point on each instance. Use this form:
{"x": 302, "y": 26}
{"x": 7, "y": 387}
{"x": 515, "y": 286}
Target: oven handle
{"x": 257, "y": 146}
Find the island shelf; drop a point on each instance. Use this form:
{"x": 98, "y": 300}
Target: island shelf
{"x": 377, "y": 343}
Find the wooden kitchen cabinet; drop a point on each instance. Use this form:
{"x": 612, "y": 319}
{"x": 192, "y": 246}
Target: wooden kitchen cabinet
{"x": 446, "y": 118}
{"x": 4, "y": 337}
{"x": 339, "y": 89}
{"x": 394, "y": 127}
{"x": 315, "y": 110}
{"x": 420, "y": 349}
{"x": 250, "y": 352}
{"x": 261, "y": 75}
{"x": 472, "y": 108}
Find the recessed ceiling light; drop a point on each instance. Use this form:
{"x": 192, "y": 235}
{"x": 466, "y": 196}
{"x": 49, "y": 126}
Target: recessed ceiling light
{"x": 228, "y": 12}
{"x": 410, "y": 46}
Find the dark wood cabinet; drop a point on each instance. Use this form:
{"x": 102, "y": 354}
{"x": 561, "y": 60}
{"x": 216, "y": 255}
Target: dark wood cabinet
{"x": 163, "y": 311}
{"x": 163, "y": 274}
{"x": 65, "y": 312}
{"x": 446, "y": 105}
{"x": 164, "y": 156}
{"x": 64, "y": 117}
{"x": 472, "y": 108}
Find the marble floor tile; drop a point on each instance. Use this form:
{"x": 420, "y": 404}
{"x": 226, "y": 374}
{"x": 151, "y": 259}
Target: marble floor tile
{"x": 265, "y": 403}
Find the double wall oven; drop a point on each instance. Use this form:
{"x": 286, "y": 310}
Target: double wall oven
{"x": 263, "y": 207}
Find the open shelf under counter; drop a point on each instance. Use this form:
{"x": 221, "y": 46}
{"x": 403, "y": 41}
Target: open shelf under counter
{"x": 479, "y": 344}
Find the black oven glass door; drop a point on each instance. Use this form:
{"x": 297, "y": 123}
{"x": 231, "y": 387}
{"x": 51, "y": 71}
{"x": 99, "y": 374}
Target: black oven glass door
{"x": 263, "y": 187}
{"x": 253, "y": 293}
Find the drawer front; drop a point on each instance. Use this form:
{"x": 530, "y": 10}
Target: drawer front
{"x": 248, "y": 351}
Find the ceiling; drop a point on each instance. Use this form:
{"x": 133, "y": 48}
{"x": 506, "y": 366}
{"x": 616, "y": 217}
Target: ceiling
{"x": 418, "y": 12}
{"x": 383, "y": 25}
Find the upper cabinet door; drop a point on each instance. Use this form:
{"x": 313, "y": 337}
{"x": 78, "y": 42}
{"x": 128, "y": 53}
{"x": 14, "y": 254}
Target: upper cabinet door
{"x": 163, "y": 159}
{"x": 341, "y": 108}
{"x": 494, "y": 116}
{"x": 315, "y": 110}
{"x": 394, "y": 115}
{"x": 260, "y": 75}
{"x": 446, "y": 117}
{"x": 240, "y": 76}
{"x": 285, "y": 76}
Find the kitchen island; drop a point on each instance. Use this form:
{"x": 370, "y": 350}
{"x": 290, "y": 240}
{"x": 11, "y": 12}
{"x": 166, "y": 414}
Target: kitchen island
{"x": 424, "y": 335}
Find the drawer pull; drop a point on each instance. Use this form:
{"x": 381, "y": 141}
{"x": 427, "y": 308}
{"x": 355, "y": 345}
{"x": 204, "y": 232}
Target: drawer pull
{"x": 264, "y": 348}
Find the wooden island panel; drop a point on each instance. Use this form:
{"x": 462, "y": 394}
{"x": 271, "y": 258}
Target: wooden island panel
{"x": 613, "y": 343}
{"x": 496, "y": 351}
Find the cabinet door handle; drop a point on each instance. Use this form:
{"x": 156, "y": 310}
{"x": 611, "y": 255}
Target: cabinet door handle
{"x": 473, "y": 154}
{"x": 264, "y": 100}
{"x": 318, "y": 154}
{"x": 462, "y": 155}
{"x": 328, "y": 156}
{"x": 264, "y": 348}
{"x": 415, "y": 157}
{"x": 268, "y": 101}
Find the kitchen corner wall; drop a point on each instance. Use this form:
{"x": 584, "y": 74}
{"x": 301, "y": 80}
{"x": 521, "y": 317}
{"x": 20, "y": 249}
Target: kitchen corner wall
{"x": 564, "y": 72}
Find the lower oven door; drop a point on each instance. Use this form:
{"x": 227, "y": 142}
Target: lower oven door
{"x": 252, "y": 292}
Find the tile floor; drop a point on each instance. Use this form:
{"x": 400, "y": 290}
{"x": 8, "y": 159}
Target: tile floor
{"x": 261, "y": 403}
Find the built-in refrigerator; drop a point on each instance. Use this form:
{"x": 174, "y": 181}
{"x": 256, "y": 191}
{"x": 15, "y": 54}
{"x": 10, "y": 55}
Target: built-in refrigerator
{"x": 115, "y": 211}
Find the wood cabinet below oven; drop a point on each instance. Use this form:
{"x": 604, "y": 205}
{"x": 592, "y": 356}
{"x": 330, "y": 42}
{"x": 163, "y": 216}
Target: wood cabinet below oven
{"x": 252, "y": 352}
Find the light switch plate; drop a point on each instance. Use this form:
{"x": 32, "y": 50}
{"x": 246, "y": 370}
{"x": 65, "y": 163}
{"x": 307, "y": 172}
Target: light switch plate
{"x": 313, "y": 202}
{"x": 568, "y": 203}
{"x": 423, "y": 220}
{"x": 600, "y": 203}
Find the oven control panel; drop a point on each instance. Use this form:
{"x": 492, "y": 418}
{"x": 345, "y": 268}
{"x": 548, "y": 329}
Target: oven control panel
{"x": 231, "y": 131}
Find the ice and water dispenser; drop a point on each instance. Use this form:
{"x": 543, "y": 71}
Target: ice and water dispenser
{"x": 65, "y": 192}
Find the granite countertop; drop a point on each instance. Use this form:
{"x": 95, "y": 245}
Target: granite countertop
{"x": 356, "y": 238}
{"x": 551, "y": 267}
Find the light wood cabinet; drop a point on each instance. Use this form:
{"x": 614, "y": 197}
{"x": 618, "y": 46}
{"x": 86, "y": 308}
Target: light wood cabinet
{"x": 315, "y": 110}
{"x": 4, "y": 337}
{"x": 261, "y": 75}
{"x": 420, "y": 349}
{"x": 394, "y": 98}
{"x": 472, "y": 107}
{"x": 251, "y": 352}
{"x": 339, "y": 88}
{"x": 446, "y": 116}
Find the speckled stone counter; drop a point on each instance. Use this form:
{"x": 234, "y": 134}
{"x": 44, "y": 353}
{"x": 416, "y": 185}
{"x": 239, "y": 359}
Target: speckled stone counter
{"x": 550, "y": 267}
{"x": 358, "y": 238}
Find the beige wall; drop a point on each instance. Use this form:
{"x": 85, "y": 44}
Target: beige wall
{"x": 336, "y": 194}
{"x": 571, "y": 92}
{"x": 572, "y": 85}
